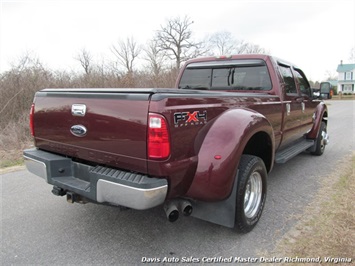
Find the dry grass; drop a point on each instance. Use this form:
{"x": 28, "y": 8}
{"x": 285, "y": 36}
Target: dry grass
{"x": 14, "y": 138}
{"x": 12, "y": 157}
{"x": 18, "y": 86}
{"x": 327, "y": 228}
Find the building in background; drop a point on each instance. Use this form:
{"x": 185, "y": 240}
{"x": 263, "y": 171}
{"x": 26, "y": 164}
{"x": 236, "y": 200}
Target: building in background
{"x": 346, "y": 78}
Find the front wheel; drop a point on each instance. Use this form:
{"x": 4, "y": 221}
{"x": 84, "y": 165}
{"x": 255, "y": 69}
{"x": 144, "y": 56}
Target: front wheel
{"x": 251, "y": 192}
{"x": 321, "y": 140}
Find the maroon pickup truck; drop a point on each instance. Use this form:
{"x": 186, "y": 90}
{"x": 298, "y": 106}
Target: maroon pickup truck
{"x": 202, "y": 149}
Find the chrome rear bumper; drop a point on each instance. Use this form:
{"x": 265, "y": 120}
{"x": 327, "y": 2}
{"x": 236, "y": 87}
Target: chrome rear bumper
{"x": 97, "y": 183}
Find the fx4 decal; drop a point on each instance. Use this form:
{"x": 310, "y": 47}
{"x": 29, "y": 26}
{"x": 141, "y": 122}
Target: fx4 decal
{"x": 190, "y": 118}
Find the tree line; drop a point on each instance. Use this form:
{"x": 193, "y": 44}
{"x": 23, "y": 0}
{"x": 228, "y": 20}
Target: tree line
{"x": 172, "y": 45}
{"x": 162, "y": 57}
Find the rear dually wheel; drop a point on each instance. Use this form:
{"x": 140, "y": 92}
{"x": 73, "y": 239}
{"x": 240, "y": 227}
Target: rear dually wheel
{"x": 251, "y": 192}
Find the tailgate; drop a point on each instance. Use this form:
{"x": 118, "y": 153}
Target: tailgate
{"x": 102, "y": 126}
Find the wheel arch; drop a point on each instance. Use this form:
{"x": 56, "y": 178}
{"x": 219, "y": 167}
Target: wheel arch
{"x": 325, "y": 117}
{"x": 235, "y": 132}
{"x": 260, "y": 145}
{"x": 320, "y": 115}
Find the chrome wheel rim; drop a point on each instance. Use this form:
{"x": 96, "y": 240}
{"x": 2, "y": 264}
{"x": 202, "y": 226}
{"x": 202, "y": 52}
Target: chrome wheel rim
{"x": 323, "y": 140}
{"x": 252, "y": 196}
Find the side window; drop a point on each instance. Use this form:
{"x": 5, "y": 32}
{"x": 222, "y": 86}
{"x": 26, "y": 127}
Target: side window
{"x": 288, "y": 79}
{"x": 303, "y": 83}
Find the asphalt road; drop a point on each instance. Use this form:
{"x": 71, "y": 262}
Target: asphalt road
{"x": 40, "y": 228}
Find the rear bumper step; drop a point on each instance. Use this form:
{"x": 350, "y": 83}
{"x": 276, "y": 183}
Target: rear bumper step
{"x": 99, "y": 184}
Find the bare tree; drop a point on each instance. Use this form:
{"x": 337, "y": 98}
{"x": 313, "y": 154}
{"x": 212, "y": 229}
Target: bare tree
{"x": 155, "y": 57}
{"x": 251, "y": 48}
{"x": 225, "y": 43}
{"x": 85, "y": 59}
{"x": 127, "y": 52}
{"x": 27, "y": 60}
{"x": 221, "y": 43}
{"x": 331, "y": 75}
{"x": 175, "y": 38}
{"x": 240, "y": 47}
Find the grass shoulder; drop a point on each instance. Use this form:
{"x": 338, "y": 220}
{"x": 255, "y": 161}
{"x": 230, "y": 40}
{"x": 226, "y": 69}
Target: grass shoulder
{"x": 327, "y": 227}
{"x": 11, "y": 163}
{"x": 343, "y": 97}
{"x": 10, "y": 160}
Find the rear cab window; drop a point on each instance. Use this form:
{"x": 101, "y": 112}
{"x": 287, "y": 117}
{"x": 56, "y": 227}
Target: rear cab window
{"x": 250, "y": 75}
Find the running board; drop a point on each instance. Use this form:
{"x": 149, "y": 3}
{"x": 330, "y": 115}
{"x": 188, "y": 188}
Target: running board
{"x": 290, "y": 152}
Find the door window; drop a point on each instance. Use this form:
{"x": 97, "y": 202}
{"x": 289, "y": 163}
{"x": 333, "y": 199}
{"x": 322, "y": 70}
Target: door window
{"x": 290, "y": 85}
{"x": 303, "y": 83}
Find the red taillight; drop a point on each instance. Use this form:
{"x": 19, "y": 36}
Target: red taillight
{"x": 158, "y": 137}
{"x": 31, "y": 120}
{"x": 223, "y": 57}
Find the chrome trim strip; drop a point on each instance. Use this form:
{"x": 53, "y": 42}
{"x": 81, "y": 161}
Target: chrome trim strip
{"x": 36, "y": 167}
{"x": 135, "y": 198}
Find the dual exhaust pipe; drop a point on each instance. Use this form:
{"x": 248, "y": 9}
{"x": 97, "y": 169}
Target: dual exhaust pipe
{"x": 174, "y": 208}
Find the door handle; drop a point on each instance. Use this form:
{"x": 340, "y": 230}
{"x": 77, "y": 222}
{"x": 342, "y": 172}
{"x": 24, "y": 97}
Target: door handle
{"x": 288, "y": 108}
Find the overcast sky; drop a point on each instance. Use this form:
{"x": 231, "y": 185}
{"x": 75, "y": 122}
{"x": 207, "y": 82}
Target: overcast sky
{"x": 313, "y": 34}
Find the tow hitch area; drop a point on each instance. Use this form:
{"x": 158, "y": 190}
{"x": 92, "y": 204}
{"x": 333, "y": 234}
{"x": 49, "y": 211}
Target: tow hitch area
{"x": 72, "y": 197}
{"x": 58, "y": 191}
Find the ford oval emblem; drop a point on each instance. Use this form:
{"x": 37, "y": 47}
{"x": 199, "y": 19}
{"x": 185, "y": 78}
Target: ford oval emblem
{"x": 78, "y": 130}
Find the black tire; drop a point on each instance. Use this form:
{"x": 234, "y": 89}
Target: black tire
{"x": 251, "y": 192}
{"x": 320, "y": 144}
